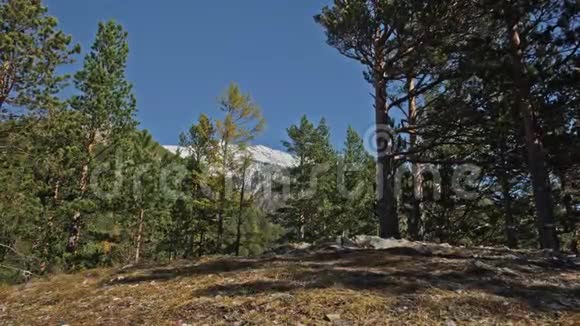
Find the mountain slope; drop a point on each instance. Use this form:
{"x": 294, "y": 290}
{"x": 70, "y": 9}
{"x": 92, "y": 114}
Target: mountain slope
{"x": 268, "y": 165}
{"x": 260, "y": 154}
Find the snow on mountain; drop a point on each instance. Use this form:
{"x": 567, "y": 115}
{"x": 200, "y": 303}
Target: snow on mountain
{"x": 259, "y": 153}
{"x": 173, "y": 149}
{"x": 268, "y": 166}
{"x": 267, "y": 155}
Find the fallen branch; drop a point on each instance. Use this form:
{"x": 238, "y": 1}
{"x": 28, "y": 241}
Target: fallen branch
{"x": 24, "y": 272}
{"x": 23, "y": 256}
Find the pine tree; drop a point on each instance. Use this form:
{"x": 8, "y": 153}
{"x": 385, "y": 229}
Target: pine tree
{"x": 308, "y": 214}
{"x": 383, "y": 36}
{"x": 106, "y": 106}
{"x": 534, "y": 144}
{"x": 293, "y": 216}
{"x": 142, "y": 197}
{"x": 356, "y": 177}
{"x": 32, "y": 125}
{"x": 31, "y": 50}
{"x": 201, "y": 144}
{"x": 359, "y": 31}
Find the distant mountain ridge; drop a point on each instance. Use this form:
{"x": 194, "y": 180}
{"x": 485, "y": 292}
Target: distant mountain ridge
{"x": 260, "y": 154}
{"x": 267, "y": 165}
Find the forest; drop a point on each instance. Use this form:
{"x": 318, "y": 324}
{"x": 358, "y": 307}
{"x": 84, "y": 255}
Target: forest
{"x": 476, "y": 143}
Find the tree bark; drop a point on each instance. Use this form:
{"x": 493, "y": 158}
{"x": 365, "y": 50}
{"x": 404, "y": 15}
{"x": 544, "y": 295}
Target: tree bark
{"x": 570, "y": 220}
{"x": 567, "y": 201}
{"x": 221, "y": 211}
{"x": 7, "y": 78}
{"x": 201, "y": 251}
{"x": 510, "y": 228}
{"x": 386, "y": 205}
{"x": 139, "y": 240}
{"x": 75, "y": 228}
{"x": 510, "y": 225}
{"x": 534, "y": 147}
{"x": 414, "y": 220}
{"x": 240, "y": 212}
{"x": 302, "y": 229}
{"x": 76, "y": 223}
{"x": 575, "y": 240}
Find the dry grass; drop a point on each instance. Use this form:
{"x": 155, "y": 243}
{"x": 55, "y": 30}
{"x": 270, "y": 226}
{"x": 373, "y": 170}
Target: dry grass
{"x": 392, "y": 287}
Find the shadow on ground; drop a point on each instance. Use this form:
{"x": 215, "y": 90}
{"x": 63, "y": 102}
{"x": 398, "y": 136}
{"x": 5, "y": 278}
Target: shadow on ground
{"x": 393, "y": 272}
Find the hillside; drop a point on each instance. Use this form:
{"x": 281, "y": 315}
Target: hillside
{"x": 423, "y": 153}
{"x": 413, "y": 285}
{"x": 260, "y": 155}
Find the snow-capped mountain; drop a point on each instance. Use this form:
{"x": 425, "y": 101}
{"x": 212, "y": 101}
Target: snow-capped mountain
{"x": 260, "y": 154}
{"x": 268, "y": 167}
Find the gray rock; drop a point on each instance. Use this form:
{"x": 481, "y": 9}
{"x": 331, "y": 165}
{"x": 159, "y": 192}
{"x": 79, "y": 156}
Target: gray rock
{"x": 332, "y": 317}
{"x": 282, "y": 296}
{"x": 373, "y": 242}
{"x": 450, "y": 322}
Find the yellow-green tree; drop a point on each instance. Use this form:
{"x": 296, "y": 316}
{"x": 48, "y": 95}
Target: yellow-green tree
{"x": 241, "y": 123}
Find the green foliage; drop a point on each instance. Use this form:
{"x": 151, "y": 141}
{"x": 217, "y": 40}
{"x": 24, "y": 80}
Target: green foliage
{"x": 243, "y": 120}
{"x": 356, "y": 177}
{"x": 258, "y": 233}
{"x": 106, "y": 102}
{"x": 31, "y": 49}
{"x": 82, "y": 187}
{"x": 106, "y": 107}
{"x": 309, "y": 212}
{"x": 494, "y": 84}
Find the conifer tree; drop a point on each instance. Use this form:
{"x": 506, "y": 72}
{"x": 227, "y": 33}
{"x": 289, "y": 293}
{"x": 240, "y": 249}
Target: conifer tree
{"x": 31, "y": 49}
{"x": 295, "y": 214}
{"x": 242, "y": 121}
{"x": 308, "y": 215}
{"x": 356, "y": 178}
{"x": 383, "y": 37}
{"x": 106, "y": 106}
{"x": 201, "y": 144}
{"x": 245, "y": 166}
{"x": 142, "y": 197}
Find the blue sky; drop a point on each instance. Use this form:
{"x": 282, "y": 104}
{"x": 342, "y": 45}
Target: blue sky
{"x": 185, "y": 53}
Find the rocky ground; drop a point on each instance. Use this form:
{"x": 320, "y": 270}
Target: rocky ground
{"x": 355, "y": 283}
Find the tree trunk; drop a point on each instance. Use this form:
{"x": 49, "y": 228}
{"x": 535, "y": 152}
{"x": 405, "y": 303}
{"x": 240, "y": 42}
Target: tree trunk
{"x": 200, "y": 252}
{"x": 76, "y": 225}
{"x": 414, "y": 220}
{"x": 240, "y": 211}
{"x": 386, "y": 205}
{"x": 567, "y": 201}
{"x": 534, "y": 147}
{"x": 575, "y": 240}
{"x": 570, "y": 220}
{"x": 510, "y": 228}
{"x": 7, "y": 78}
{"x": 510, "y": 224}
{"x": 302, "y": 227}
{"x": 56, "y": 194}
{"x": 221, "y": 210}
{"x": 139, "y": 240}
{"x": 302, "y": 217}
